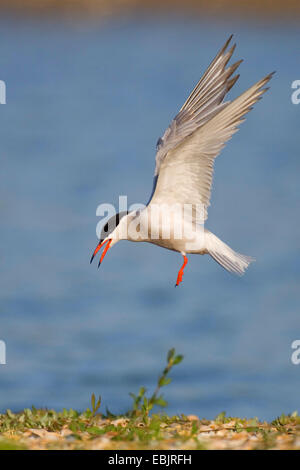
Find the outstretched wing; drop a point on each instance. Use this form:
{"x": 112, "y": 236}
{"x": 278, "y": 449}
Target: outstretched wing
{"x": 205, "y": 101}
{"x": 186, "y": 171}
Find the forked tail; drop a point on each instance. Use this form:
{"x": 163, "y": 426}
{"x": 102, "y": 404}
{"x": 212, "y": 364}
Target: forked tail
{"x": 227, "y": 258}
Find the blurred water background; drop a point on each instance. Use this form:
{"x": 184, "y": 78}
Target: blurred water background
{"x": 86, "y": 102}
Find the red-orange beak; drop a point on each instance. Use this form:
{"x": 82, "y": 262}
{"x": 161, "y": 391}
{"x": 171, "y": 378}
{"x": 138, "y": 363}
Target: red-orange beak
{"x": 108, "y": 241}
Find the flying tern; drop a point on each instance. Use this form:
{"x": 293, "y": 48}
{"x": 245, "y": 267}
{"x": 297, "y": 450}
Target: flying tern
{"x": 175, "y": 214}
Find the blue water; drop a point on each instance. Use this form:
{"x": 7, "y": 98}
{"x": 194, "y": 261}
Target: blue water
{"x": 86, "y": 102}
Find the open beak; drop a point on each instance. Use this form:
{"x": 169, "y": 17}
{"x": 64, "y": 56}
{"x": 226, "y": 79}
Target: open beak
{"x": 108, "y": 241}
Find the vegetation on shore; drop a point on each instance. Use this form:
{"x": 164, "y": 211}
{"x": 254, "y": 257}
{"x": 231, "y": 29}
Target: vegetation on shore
{"x": 137, "y": 429}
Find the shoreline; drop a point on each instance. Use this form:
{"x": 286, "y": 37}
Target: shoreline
{"x": 272, "y": 10}
{"x": 69, "y": 430}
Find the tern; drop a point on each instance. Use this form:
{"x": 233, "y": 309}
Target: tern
{"x": 183, "y": 174}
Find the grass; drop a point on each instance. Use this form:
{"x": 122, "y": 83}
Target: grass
{"x": 142, "y": 427}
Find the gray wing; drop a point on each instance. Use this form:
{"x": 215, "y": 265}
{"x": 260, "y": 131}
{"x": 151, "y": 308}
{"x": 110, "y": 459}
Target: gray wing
{"x": 205, "y": 101}
{"x": 186, "y": 172}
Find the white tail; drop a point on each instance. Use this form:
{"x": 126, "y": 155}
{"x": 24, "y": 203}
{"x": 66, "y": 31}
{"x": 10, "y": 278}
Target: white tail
{"x": 225, "y": 256}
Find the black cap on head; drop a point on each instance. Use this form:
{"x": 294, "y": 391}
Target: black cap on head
{"x": 111, "y": 224}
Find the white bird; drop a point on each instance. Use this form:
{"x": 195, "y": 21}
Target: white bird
{"x": 175, "y": 214}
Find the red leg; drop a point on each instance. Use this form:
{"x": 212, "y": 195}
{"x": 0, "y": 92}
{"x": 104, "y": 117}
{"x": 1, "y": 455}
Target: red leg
{"x": 180, "y": 273}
